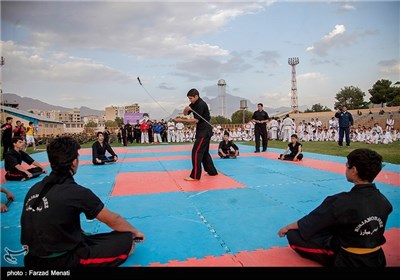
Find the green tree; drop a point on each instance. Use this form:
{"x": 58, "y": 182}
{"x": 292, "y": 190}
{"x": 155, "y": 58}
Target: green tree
{"x": 381, "y": 92}
{"x": 395, "y": 96}
{"x": 317, "y": 108}
{"x": 237, "y": 117}
{"x": 352, "y": 97}
{"x": 220, "y": 120}
{"x": 111, "y": 124}
{"x": 91, "y": 124}
{"x": 119, "y": 121}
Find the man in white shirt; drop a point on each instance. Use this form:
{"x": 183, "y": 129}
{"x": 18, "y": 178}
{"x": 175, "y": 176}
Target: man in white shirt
{"x": 171, "y": 131}
{"x": 287, "y": 128}
{"x": 179, "y": 132}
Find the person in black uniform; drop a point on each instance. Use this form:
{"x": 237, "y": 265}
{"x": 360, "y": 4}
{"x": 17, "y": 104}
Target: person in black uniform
{"x": 295, "y": 149}
{"x": 201, "y": 146}
{"x": 6, "y": 136}
{"x": 128, "y": 129}
{"x": 347, "y": 229}
{"x": 99, "y": 149}
{"x": 50, "y": 221}
{"x": 260, "y": 118}
{"x": 14, "y": 159}
{"x": 124, "y": 137}
{"x": 106, "y": 134}
{"x": 137, "y": 131}
{"x": 226, "y": 148}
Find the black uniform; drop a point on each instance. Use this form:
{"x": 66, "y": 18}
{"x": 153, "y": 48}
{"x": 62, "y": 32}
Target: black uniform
{"x": 293, "y": 152}
{"x": 53, "y": 232}
{"x": 6, "y": 138}
{"x": 260, "y": 129}
{"x": 106, "y": 135}
{"x": 201, "y": 146}
{"x": 227, "y": 147}
{"x": 345, "y": 224}
{"x": 129, "y": 136}
{"x": 99, "y": 151}
{"x": 137, "y": 132}
{"x": 124, "y": 137}
{"x": 14, "y": 158}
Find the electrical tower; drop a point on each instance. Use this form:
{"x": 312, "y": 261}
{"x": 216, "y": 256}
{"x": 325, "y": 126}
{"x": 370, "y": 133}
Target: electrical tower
{"x": 293, "y": 61}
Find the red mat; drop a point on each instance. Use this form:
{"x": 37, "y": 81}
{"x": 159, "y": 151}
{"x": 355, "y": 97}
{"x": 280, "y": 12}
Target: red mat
{"x": 283, "y": 256}
{"x": 386, "y": 177}
{"x": 130, "y": 183}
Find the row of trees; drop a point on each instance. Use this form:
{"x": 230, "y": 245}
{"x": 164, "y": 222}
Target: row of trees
{"x": 382, "y": 92}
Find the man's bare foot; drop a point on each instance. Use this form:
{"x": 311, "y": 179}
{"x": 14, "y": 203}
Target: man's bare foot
{"x": 190, "y": 179}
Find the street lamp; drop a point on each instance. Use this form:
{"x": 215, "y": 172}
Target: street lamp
{"x": 2, "y": 62}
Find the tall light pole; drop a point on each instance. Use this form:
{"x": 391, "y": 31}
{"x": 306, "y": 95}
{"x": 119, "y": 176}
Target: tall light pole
{"x": 293, "y": 61}
{"x": 2, "y": 62}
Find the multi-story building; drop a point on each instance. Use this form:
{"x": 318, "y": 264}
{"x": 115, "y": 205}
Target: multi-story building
{"x": 134, "y": 108}
{"x": 72, "y": 121}
{"x": 112, "y": 112}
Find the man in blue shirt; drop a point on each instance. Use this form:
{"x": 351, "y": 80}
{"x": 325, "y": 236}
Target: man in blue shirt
{"x": 345, "y": 121}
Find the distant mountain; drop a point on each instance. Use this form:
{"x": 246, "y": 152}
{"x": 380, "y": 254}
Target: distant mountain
{"x": 27, "y": 103}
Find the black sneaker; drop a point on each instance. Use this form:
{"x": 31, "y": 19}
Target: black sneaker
{"x": 256, "y": 151}
{"x": 264, "y": 150}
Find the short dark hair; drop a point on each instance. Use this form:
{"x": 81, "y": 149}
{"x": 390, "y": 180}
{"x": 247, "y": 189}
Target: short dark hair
{"x": 367, "y": 162}
{"x": 226, "y": 133}
{"x": 18, "y": 121}
{"x": 193, "y": 92}
{"x": 9, "y": 118}
{"x": 62, "y": 151}
{"x": 98, "y": 133}
{"x": 294, "y": 135}
{"x": 260, "y": 104}
{"x": 30, "y": 123}
{"x": 16, "y": 139}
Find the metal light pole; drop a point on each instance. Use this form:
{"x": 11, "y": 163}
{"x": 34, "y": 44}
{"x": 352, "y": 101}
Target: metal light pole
{"x": 293, "y": 61}
{"x": 2, "y": 62}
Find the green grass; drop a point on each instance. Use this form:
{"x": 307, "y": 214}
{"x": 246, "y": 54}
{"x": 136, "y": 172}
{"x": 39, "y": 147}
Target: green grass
{"x": 389, "y": 152}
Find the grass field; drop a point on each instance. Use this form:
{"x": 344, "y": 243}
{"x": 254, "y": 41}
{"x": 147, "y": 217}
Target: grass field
{"x": 389, "y": 152}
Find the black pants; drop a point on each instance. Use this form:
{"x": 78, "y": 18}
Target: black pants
{"x": 318, "y": 249}
{"x": 344, "y": 131}
{"x": 19, "y": 175}
{"x": 201, "y": 155}
{"x": 323, "y": 249}
{"x": 104, "y": 159}
{"x": 291, "y": 157}
{"x": 261, "y": 130}
{"x": 6, "y": 146}
{"x": 228, "y": 154}
{"x": 99, "y": 250}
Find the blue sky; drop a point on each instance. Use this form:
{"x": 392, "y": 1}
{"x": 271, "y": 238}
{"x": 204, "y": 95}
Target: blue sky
{"x": 89, "y": 53}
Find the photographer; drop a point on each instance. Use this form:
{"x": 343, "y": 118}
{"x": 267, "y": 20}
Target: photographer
{"x": 345, "y": 122}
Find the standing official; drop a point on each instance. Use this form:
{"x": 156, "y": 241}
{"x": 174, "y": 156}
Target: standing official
{"x": 345, "y": 121}
{"x": 260, "y": 118}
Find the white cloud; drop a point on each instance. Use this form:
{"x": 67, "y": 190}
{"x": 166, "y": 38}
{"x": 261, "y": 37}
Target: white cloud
{"x": 311, "y": 76}
{"x": 338, "y": 37}
{"x": 389, "y": 66}
{"x": 269, "y": 57}
{"x": 275, "y": 99}
{"x": 347, "y": 7}
{"x": 212, "y": 68}
{"x": 31, "y": 63}
{"x": 142, "y": 29}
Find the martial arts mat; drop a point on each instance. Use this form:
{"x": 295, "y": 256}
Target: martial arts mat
{"x": 227, "y": 220}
